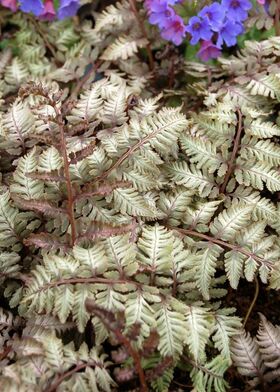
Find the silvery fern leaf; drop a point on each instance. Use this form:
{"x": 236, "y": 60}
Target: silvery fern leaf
{"x": 80, "y": 316}
{"x": 262, "y": 129}
{"x": 174, "y": 204}
{"x": 8, "y": 229}
{"x": 230, "y": 221}
{"x": 121, "y": 254}
{"x": 63, "y": 302}
{"x": 256, "y": 175}
{"x": 123, "y": 47}
{"x": 199, "y": 323}
{"x": 16, "y": 73}
{"x": 171, "y": 326}
{"x": 161, "y": 130}
{"x": 198, "y": 216}
{"x": 114, "y": 16}
{"x": 268, "y": 86}
{"x": 130, "y": 201}
{"x": 23, "y": 185}
{"x": 262, "y": 150}
{"x": 226, "y": 326}
{"x": 246, "y": 355}
{"x": 54, "y": 352}
{"x": 191, "y": 177}
{"x": 202, "y": 152}
{"x": 114, "y": 109}
{"x": 91, "y": 256}
{"x": 88, "y": 105}
{"x": 138, "y": 310}
{"x": 18, "y": 123}
{"x": 234, "y": 262}
{"x": 268, "y": 339}
{"x": 263, "y": 208}
{"x": 210, "y": 376}
{"x": 50, "y": 160}
{"x": 156, "y": 245}
{"x": 206, "y": 267}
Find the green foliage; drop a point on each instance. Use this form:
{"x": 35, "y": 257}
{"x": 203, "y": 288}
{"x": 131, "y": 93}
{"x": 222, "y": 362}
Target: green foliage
{"x": 123, "y": 222}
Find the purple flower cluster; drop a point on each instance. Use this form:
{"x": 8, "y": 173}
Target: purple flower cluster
{"x": 44, "y": 10}
{"x": 217, "y": 24}
{"x": 162, "y": 14}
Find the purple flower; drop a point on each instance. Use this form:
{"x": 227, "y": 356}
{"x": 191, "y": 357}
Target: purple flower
{"x": 174, "y": 30}
{"x": 199, "y": 29}
{"x": 34, "y": 6}
{"x": 12, "y": 4}
{"x": 160, "y": 12}
{"x": 49, "y": 11}
{"x": 228, "y": 33}
{"x": 215, "y": 14}
{"x": 208, "y": 51}
{"x": 67, "y": 8}
{"x": 237, "y": 9}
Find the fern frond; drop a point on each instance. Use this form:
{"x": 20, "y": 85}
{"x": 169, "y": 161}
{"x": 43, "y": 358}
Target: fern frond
{"x": 211, "y": 375}
{"x": 8, "y": 215}
{"x": 18, "y": 123}
{"x": 88, "y": 105}
{"x": 174, "y": 204}
{"x": 171, "y": 327}
{"x": 129, "y": 201}
{"x": 230, "y": 221}
{"x": 202, "y": 152}
{"x": 268, "y": 339}
{"x": 234, "y": 262}
{"x": 191, "y": 177}
{"x": 206, "y": 268}
{"x": 246, "y": 356}
{"x": 23, "y": 185}
{"x": 124, "y": 47}
{"x": 199, "y": 216}
{"x": 121, "y": 254}
{"x": 256, "y": 174}
{"x": 115, "y": 16}
{"x": 199, "y": 323}
{"x": 267, "y": 86}
{"x": 226, "y": 326}
{"x": 16, "y": 73}
{"x": 262, "y": 150}
{"x": 262, "y": 129}
{"x": 262, "y": 208}
{"x": 156, "y": 245}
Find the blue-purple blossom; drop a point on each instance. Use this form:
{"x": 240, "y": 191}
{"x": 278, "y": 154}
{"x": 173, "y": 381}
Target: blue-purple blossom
{"x": 12, "y": 4}
{"x": 49, "y": 11}
{"x": 229, "y": 32}
{"x": 160, "y": 12}
{"x": 67, "y": 8}
{"x": 199, "y": 29}
{"x": 174, "y": 30}
{"x": 36, "y": 7}
{"x": 161, "y": 18}
{"x": 215, "y": 14}
{"x": 208, "y": 51}
{"x": 237, "y": 9}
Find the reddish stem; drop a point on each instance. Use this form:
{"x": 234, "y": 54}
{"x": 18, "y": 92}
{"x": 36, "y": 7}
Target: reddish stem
{"x": 61, "y": 378}
{"x": 234, "y": 151}
{"x": 70, "y": 195}
{"x": 223, "y": 244}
